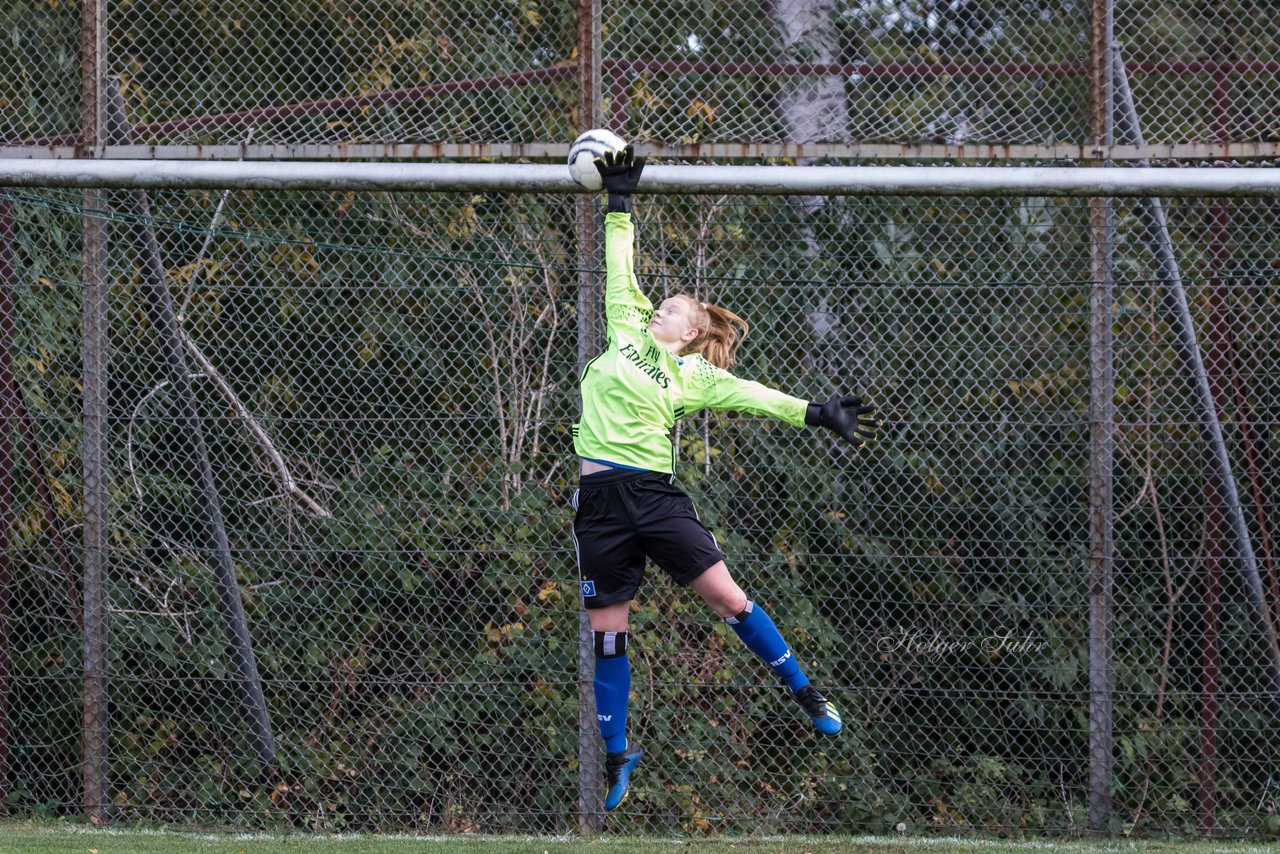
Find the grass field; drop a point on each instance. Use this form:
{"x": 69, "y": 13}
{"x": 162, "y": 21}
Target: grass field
{"x": 68, "y": 839}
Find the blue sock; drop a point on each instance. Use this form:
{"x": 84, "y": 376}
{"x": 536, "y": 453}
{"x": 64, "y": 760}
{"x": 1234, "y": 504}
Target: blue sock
{"x": 761, "y": 637}
{"x": 613, "y": 685}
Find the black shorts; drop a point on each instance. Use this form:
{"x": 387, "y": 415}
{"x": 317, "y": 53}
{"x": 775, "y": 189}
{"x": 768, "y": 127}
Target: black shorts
{"x": 624, "y": 516}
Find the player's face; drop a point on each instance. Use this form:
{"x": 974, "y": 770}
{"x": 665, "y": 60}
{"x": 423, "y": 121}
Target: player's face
{"x": 672, "y": 323}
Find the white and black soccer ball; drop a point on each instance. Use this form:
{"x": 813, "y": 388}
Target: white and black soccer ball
{"x": 585, "y": 149}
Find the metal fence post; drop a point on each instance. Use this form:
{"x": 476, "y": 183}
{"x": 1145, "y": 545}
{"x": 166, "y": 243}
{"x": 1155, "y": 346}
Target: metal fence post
{"x": 93, "y": 63}
{"x": 1101, "y": 440}
{"x": 586, "y": 208}
{"x": 96, "y": 519}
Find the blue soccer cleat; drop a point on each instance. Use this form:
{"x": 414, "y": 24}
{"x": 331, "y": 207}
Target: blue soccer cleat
{"x": 618, "y": 768}
{"x": 821, "y": 711}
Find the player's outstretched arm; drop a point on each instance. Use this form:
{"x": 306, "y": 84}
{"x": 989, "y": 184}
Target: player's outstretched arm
{"x": 620, "y": 174}
{"x": 627, "y": 309}
{"x": 847, "y": 416}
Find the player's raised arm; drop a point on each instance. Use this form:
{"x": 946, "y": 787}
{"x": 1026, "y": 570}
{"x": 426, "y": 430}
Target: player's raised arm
{"x": 625, "y": 304}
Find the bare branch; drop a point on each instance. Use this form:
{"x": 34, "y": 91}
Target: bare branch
{"x": 255, "y": 429}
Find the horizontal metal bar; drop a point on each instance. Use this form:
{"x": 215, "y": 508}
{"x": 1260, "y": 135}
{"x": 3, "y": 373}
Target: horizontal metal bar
{"x": 932, "y": 69}
{"x": 701, "y": 179}
{"x": 306, "y": 151}
{"x": 341, "y": 103}
{"x": 845, "y": 69}
{"x": 622, "y": 66}
{"x": 710, "y": 150}
{"x": 968, "y": 151}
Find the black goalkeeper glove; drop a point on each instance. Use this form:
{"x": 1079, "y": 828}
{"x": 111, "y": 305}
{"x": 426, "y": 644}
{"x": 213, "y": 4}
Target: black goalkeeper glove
{"x": 620, "y": 174}
{"x": 847, "y": 415}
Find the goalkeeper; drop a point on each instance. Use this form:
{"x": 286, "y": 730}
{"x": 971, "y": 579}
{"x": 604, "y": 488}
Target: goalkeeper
{"x": 658, "y": 366}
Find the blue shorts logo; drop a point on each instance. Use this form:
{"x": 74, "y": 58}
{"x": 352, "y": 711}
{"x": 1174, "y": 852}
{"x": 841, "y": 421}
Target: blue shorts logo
{"x": 588, "y": 588}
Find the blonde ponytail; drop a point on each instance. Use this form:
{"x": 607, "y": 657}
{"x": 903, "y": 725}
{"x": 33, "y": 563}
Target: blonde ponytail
{"x": 720, "y": 333}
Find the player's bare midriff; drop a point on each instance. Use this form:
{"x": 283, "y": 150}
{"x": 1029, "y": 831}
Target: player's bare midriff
{"x": 591, "y": 467}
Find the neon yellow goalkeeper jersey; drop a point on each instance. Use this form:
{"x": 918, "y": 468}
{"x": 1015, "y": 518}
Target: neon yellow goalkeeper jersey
{"x": 633, "y": 392}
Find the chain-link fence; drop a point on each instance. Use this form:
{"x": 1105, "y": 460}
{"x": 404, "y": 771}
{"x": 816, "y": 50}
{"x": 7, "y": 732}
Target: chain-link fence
{"x": 876, "y": 78}
{"x": 311, "y": 468}
{"x": 384, "y": 387}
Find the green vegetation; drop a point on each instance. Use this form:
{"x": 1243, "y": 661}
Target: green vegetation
{"x": 414, "y": 360}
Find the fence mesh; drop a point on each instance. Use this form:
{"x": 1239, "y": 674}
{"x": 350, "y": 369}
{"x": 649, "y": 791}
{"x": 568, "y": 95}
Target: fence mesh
{"x": 893, "y": 72}
{"x": 385, "y": 384}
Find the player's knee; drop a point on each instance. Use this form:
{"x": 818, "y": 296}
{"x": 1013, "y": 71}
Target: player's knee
{"x": 610, "y": 618}
{"x": 726, "y": 602}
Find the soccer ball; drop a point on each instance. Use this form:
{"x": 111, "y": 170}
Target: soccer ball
{"x": 587, "y": 148}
